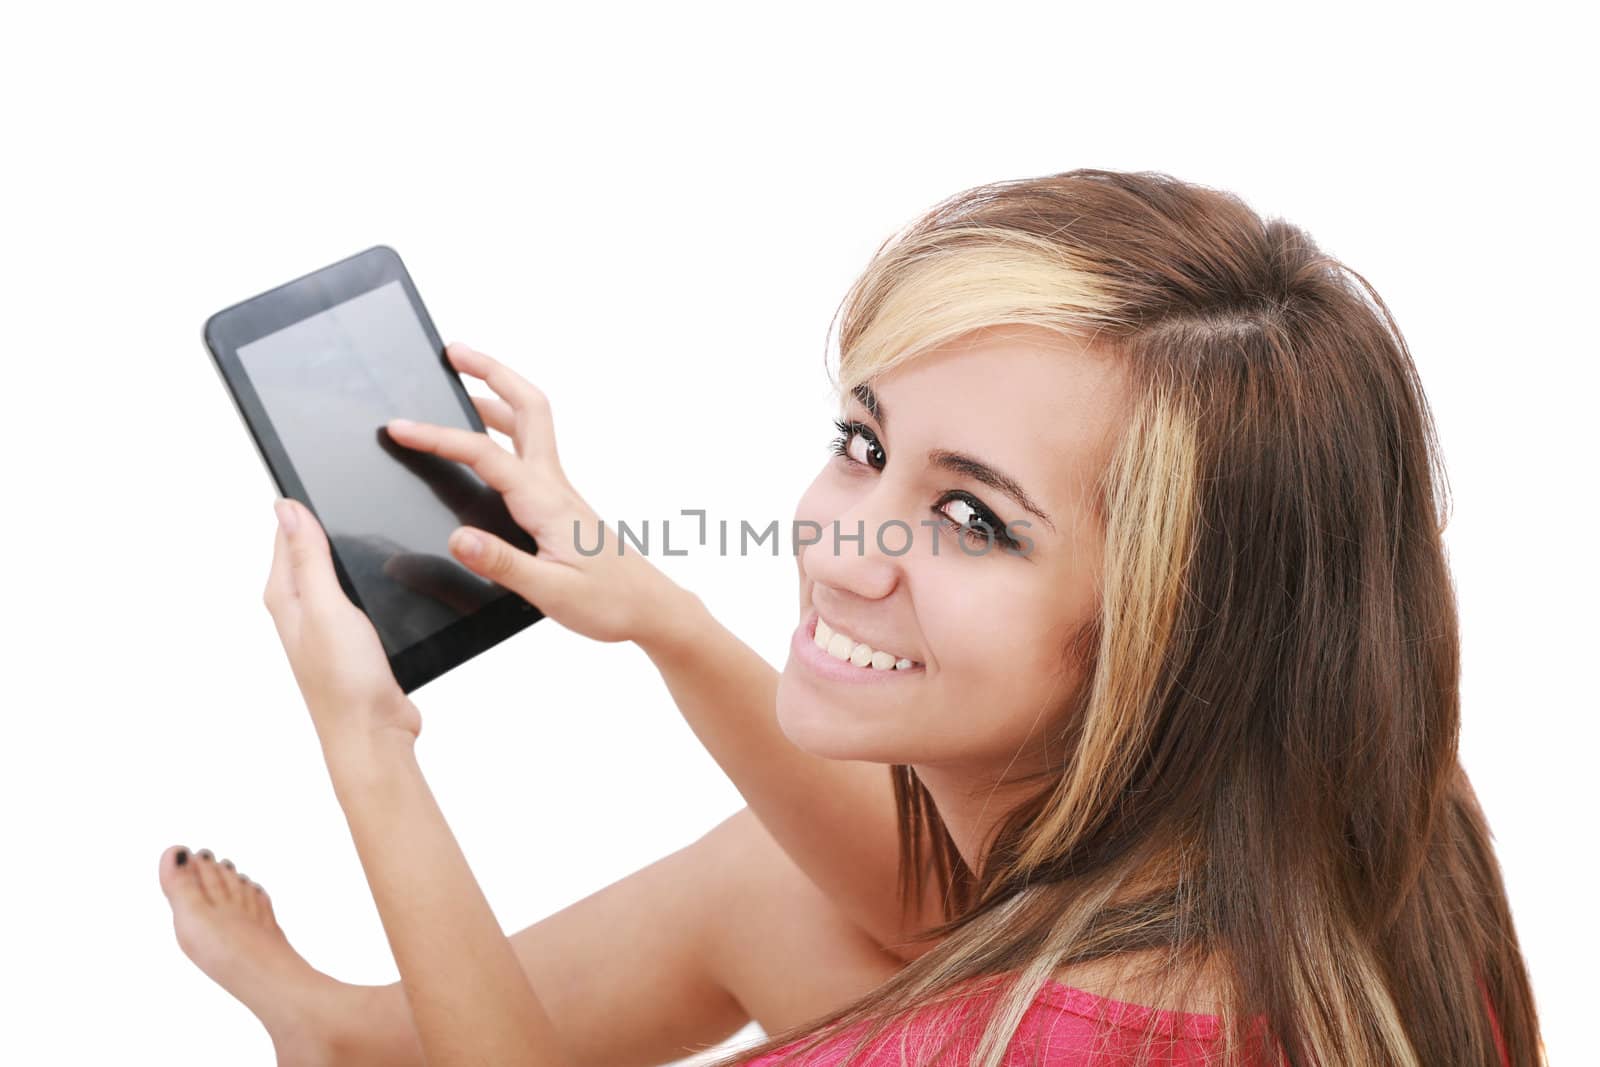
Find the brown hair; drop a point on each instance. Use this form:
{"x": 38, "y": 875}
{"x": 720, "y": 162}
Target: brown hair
{"x": 1260, "y": 778}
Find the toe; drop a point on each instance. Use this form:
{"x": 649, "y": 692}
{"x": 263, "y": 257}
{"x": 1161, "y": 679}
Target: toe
{"x": 265, "y": 902}
{"x": 177, "y": 874}
{"x": 249, "y": 899}
{"x": 209, "y": 875}
{"x": 229, "y": 879}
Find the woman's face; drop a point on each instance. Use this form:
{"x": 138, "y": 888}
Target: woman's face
{"x": 985, "y": 628}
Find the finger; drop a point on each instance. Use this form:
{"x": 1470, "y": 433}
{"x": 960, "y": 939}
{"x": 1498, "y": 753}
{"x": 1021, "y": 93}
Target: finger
{"x": 280, "y": 591}
{"x": 535, "y": 431}
{"x": 492, "y": 463}
{"x": 534, "y": 579}
{"x": 310, "y": 559}
{"x": 496, "y": 414}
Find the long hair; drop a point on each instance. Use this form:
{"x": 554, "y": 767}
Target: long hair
{"x": 1260, "y": 779}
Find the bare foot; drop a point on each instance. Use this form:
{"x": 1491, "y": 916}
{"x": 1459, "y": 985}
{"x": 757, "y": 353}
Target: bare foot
{"x": 225, "y": 924}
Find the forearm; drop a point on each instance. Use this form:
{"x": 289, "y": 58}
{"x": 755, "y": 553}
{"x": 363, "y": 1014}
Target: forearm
{"x": 470, "y": 999}
{"x": 835, "y": 818}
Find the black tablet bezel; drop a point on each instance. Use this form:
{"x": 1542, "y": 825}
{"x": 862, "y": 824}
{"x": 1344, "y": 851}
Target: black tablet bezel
{"x": 249, "y": 320}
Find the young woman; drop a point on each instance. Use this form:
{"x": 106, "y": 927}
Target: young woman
{"x": 1129, "y": 568}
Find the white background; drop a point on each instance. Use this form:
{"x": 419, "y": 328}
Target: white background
{"x": 652, "y": 213}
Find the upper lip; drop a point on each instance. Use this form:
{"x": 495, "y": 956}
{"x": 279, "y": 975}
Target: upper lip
{"x": 859, "y": 635}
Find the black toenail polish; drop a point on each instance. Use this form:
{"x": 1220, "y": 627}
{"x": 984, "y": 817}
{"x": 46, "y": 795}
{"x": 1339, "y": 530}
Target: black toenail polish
{"x": 228, "y": 864}
{"x": 205, "y": 854}
{"x": 182, "y": 857}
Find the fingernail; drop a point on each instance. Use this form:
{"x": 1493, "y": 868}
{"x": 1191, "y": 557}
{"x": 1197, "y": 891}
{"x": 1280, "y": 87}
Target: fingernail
{"x": 182, "y": 857}
{"x": 469, "y": 544}
{"x": 401, "y": 424}
{"x": 286, "y": 515}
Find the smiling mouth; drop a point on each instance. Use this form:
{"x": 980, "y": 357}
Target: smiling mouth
{"x": 841, "y": 646}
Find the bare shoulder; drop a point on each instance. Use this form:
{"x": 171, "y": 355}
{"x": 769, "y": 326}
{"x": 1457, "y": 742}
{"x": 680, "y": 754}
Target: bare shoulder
{"x": 779, "y": 945}
{"x": 788, "y": 954}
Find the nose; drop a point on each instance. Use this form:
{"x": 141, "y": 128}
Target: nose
{"x": 861, "y": 551}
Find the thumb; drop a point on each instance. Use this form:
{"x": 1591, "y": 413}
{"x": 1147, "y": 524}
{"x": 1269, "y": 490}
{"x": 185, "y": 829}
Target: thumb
{"x": 309, "y": 556}
{"x": 493, "y": 558}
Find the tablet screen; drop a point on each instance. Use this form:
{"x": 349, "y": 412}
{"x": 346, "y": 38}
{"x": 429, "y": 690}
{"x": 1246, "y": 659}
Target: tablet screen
{"x": 329, "y": 383}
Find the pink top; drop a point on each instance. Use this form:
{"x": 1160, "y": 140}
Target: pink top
{"x": 1064, "y": 1027}
{"x": 1068, "y": 1027}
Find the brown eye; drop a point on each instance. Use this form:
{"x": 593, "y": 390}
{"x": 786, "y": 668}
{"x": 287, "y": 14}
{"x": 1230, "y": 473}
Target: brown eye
{"x": 972, "y": 520}
{"x": 966, "y": 519}
{"x": 857, "y": 443}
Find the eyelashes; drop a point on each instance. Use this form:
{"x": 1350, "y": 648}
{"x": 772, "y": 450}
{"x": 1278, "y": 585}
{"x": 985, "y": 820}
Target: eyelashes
{"x": 849, "y": 428}
{"x": 980, "y": 527}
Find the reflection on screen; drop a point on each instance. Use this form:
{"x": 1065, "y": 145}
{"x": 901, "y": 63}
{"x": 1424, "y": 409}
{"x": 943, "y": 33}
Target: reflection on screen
{"x": 330, "y": 383}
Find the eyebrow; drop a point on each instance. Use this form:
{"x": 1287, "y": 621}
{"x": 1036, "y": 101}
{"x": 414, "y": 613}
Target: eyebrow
{"x": 958, "y": 462}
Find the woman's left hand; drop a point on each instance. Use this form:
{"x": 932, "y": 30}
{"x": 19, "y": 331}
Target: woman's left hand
{"x": 471, "y": 996}
{"x": 333, "y": 648}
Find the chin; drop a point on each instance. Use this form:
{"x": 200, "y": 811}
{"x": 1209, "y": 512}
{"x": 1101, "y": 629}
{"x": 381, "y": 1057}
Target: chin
{"x": 828, "y": 729}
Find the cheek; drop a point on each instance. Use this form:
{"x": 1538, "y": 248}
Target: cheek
{"x": 1002, "y": 648}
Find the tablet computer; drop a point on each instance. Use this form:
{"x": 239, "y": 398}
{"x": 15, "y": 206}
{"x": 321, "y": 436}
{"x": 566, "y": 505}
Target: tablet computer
{"x": 316, "y": 368}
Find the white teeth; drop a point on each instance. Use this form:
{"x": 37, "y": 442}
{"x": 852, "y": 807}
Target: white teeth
{"x": 842, "y": 646}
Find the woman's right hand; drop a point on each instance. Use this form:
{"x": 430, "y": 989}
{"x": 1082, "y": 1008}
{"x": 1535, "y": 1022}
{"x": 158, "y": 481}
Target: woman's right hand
{"x": 606, "y": 596}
